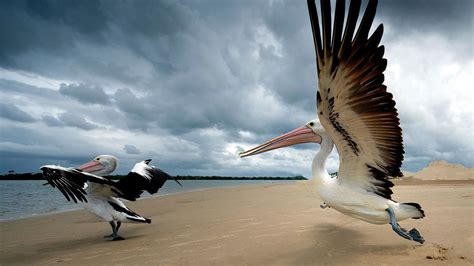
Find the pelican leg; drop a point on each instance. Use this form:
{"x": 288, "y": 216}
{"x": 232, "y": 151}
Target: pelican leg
{"x": 118, "y": 225}
{"x": 114, "y": 231}
{"x": 413, "y": 234}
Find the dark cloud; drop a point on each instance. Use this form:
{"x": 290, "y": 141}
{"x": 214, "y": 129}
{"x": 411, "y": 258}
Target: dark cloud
{"x": 87, "y": 18}
{"x": 451, "y": 17}
{"x": 16, "y": 88}
{"x": 73, "y": 120}
{"x": 138, "y": 111}
{"x": 11, "y": 112}
{"x": 70, "y": 120}
{"x": 25, "y": 150}
{"x": 131, "y": 149}
{"x": 46, "y": 25}
{"x": 86, "y": 94}
{"x": 199, "y": 79}
{"x": 30, "y": 162}
{"x": 51, "y": 103}
{"x": 16, "y": 134}
{"x": 52, "y": 121}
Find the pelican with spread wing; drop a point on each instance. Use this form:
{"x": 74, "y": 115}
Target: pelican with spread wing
{"x": 101, "y": 195}
{"x": 358, "y": 115}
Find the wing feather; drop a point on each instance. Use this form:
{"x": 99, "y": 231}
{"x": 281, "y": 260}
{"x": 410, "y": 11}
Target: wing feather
{"x": 142, "y": 177}
{"x": 353, "y": 105}
{"x": 338, "y": 26}
{"x": 71, "y": 182}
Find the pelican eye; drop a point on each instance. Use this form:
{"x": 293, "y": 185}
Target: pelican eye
{"x": 311, "y": 124}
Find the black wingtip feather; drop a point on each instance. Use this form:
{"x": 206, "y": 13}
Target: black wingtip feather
{"x": 313, "y": 15}
{"x": 375, "y": 39}
{"x": 367, "y": 20}
{"x": 133, "y": 185}
{"x": 351, "y": 22}
{"x": 69, "y": 182}
{"x": 383, "y": 185}
{"x": 326, "y": 21}
{"x": 337, "y": 33}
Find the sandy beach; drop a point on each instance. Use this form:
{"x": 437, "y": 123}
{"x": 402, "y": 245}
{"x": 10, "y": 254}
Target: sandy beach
{"x": 276, "y": 224}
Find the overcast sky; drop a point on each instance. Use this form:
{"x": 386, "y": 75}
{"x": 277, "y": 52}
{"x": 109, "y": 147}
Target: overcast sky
{"x": 190, "y": 83}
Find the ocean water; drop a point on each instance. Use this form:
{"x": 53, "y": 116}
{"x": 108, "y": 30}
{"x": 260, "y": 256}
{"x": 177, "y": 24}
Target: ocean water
{"x": 20, "y": 199}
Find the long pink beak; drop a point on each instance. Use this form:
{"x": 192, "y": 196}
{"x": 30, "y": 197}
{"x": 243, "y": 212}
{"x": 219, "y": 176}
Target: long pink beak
{"x": 91, "y": 167}
{"x": 296, "y": 136}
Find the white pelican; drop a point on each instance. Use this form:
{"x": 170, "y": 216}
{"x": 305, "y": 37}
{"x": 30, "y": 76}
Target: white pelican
{"x": 102, "y": 195}
{"x": 358, "y": 115}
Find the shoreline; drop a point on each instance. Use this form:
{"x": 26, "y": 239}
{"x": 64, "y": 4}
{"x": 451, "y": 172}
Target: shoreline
{"x": 78, "y": 207}
{"x": 278, "y": 224}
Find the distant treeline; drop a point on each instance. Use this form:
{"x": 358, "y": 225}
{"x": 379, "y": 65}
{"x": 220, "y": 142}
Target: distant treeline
{"x": 39, "y": 176}
{"x": 26, "y": 176}
{"x": 188, "y": 177}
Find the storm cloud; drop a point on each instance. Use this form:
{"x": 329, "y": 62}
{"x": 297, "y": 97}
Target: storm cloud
{"x": 11, "y": 112}
{"x": 85, "y": 94}
{"x": 191, "y": 83}
{"x": 131, "y": 149}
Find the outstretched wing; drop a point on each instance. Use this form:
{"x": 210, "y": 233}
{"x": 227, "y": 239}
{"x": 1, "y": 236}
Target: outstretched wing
{"x": 353, "y": 105}
{"x": 142, "y": 177}
{"x": 71, "y": 182}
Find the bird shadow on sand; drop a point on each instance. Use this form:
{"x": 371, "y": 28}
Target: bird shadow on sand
{"x": 335, "y": 244}
{"x": 54, "y": 248}
{"x": 65, "y": 249}
{"x": 91, "y": 240}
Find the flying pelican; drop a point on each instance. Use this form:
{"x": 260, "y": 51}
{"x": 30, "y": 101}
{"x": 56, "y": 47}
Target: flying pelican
{"x": 358, "y": 115}
{"x": 100, "y": 194}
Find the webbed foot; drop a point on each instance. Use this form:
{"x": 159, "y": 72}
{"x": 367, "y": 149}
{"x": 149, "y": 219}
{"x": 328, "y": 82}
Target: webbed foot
{"x": 324, "y": 206}
{"x": 116, "y": 238}
{"x": 416, "y": 236}
{"x": 413, "y": 234}
{"x": 115, "y": 231}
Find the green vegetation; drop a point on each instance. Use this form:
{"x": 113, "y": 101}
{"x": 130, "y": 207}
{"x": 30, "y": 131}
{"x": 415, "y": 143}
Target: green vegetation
{"x": 38, "y": 176}
{"x": 26, "y": 176}
{"x": 187, "y": 177}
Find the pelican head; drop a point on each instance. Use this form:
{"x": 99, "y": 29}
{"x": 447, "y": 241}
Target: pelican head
{"x": 316, "y": 127}
{"x": 101, "y": 165}
{"x": 310, "y": 132}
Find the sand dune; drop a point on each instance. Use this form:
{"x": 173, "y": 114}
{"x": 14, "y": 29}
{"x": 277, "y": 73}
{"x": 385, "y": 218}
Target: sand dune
{"x": 251, "y": 225}
{"x": 442, "y": 170}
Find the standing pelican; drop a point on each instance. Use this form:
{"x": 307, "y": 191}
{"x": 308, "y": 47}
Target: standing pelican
{"x": 100, "y": 194}
{"x": 358, "y": 115}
